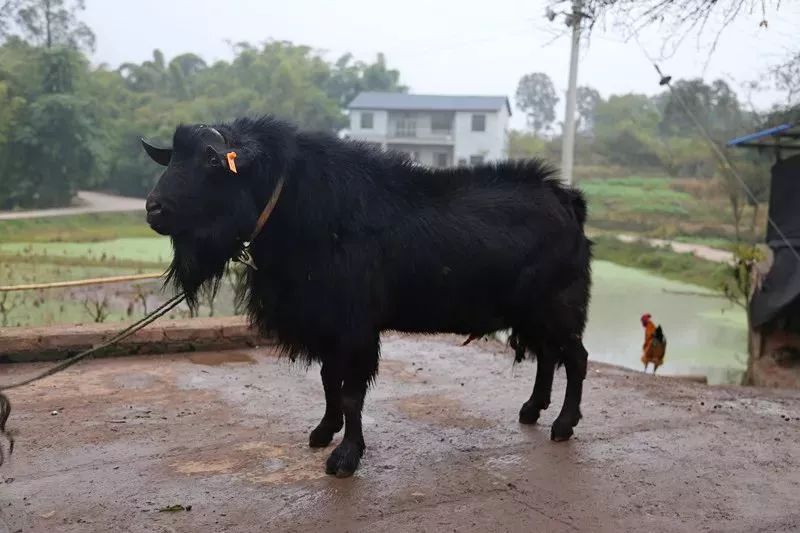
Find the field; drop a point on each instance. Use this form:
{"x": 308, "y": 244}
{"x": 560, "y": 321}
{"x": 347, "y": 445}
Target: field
{"x": 77, "y": 228}
{"x": 690, "y": 210}
{"x": 79, "y": 247}
{"x": 629, "y": 279}
{"x": 95, "y": 245}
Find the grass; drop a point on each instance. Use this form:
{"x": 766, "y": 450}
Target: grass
{"x": 75, "y": 247}
{"x": 685, "y": 268}
{"x": 60, "y": 305}
{"x": 154, "y": 250}
{"x": 69, "y": 305}
{"x": 642, "y": 196}
{"x": 690, "y": 210}
{"x": 92, "y": 227}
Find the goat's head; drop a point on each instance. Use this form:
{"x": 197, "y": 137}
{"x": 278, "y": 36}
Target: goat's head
{"x": 204, "y": 201}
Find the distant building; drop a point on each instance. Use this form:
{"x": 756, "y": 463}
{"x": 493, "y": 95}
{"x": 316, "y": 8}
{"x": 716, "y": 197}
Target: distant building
{"x": 434, "y": 130}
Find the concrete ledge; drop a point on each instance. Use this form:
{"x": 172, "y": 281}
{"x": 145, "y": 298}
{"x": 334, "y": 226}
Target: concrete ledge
{"x": 52, "y": 343}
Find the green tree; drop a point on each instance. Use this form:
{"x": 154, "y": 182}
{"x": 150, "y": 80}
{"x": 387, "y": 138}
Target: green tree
{"x": 716, "y": 107}
{"x": 281, "y": 78}
{"x": 685, "y": 156}
{"x": 625, "y": 128}
{"x": 52, "y": 23}
{"x": 53, "y": 150}
{"x": 524, "y": 145}
{"x": 150, "y": 76}
{"x": 349, "y": 77}
{"x": 536, "y": 97}
{"x": 64, "y": 125}
{"x": 587, "y": 99}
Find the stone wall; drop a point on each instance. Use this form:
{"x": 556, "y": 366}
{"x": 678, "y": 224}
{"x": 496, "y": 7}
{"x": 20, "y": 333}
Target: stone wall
{"x": 168, "y": 336}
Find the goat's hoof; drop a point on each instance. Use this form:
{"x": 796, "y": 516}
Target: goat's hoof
{"x": 528, "y": 415}
{"x": 344, "y": 460}
{"x": 561, "y": 431}
{"x": 321, "y": 436}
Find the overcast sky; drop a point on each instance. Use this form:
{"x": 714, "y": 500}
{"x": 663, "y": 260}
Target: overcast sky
{"x": 440, "y": 46}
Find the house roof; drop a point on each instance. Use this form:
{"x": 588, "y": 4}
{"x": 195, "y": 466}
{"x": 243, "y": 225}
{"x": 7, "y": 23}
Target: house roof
{"x": 428, "y": 102}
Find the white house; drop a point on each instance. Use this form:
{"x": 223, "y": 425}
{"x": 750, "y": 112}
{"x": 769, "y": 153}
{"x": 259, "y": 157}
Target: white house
{"x": 434, "y": 130}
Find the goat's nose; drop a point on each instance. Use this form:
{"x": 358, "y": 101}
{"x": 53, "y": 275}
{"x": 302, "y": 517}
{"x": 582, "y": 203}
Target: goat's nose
{"x": 152, "y": 206}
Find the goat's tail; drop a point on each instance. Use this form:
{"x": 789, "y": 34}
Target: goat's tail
{"x": 578, "y": 203}
{"x": 573, "y": 200}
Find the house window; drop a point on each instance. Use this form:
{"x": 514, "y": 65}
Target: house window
{"x": 440, "y": 159}
{"x": 478, "y": 122}
{"x": 475, "y": 159}
{"x": 366, "y": 121}
{"x": 462, "y": 162}
{"x": 405, "y": 126}
{"x": 441, "y": 122}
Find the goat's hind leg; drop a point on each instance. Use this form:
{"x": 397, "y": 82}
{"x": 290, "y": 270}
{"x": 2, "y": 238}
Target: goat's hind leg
{"x": 575, "y": 360}
{"x": 542, "y": 387}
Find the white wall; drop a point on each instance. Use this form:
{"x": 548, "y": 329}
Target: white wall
{"x": 380, "y": 125}
{"x": 501, "y": 133}
{"x": 489, "y": 143}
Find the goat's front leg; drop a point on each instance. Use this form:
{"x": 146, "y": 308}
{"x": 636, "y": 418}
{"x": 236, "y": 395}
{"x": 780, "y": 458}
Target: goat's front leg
{"x": 344, "y": 460}
{"x": 333, "y": 419}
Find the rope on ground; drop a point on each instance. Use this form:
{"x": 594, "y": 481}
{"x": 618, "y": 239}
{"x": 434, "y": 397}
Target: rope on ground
{"x": 5, "y": 404}
{"x": 78, "y": 282}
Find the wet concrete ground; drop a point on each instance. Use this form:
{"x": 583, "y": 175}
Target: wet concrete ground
{"x": 226, "y": 433}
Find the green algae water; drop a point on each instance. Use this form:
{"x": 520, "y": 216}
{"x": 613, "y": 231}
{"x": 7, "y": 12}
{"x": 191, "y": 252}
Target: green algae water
{"x": 705, "y": 335}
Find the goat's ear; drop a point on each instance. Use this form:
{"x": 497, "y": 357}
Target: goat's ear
{"x": 214, "y": 158}
{"x": 156, "y": 153}
{"x": 231, "y": 159}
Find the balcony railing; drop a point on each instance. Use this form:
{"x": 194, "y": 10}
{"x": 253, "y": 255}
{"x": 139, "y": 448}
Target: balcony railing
{"x": 412, "y": 129}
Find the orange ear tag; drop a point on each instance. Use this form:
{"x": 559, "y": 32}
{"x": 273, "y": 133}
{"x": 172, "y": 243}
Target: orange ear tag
{"x": 231, "y": 162}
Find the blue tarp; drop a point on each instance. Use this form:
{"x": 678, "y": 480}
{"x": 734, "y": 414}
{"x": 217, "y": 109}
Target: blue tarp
{"x": 791, "y": 131}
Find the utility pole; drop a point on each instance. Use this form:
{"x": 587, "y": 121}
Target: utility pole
{"x": 568, "y": 142}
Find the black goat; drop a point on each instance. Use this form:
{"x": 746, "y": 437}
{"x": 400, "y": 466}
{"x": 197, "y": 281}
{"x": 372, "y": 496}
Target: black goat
{"x": 361, "y": 241}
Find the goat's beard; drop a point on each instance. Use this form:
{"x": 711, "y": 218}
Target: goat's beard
{"x": 199, "y": 260}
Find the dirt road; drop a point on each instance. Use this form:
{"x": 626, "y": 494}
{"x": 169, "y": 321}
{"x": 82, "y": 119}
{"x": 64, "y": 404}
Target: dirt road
{"x": 226, "y": 433}
{"x": 91, "y": 202}
{"x": 699, "y": 250}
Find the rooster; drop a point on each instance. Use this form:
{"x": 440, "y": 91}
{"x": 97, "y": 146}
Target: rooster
{"x": 655, "y": 343}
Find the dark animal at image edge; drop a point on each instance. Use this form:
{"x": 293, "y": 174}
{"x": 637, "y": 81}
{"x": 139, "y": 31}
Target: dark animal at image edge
{"x": 362, "y": 241}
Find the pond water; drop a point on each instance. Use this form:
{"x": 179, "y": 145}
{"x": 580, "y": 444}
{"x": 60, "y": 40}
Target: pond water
{"x": 705, "y": 336}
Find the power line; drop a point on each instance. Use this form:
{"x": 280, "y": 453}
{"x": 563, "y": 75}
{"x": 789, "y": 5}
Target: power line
{"x": 726, "y": 163}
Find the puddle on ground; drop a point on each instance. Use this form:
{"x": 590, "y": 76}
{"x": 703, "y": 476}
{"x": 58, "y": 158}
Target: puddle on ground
{"x": 400, "y": 370}
{"x": 262, "y": 462}
{"x": 442, "y": 411}
{"x": 220, "y": 358}
{"x": 218, "y": 466}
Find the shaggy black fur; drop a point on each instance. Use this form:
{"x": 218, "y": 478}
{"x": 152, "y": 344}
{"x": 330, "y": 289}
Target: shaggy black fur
{"x": 363, "y": 241}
